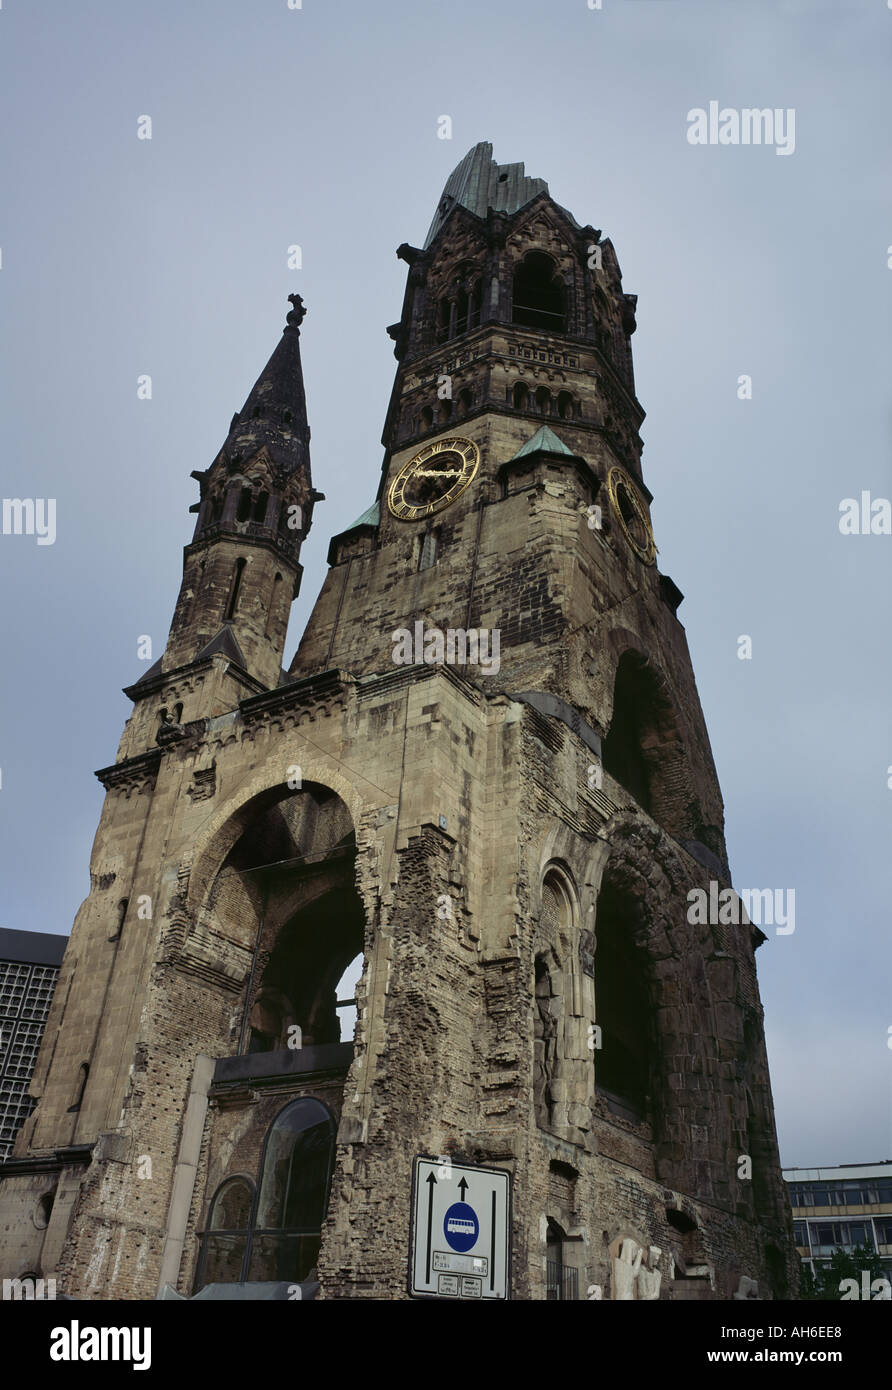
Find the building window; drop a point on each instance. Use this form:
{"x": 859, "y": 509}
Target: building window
{"x": 428, "y": 556}
{"x": 273, "y": 1234}
{"x": 226, "y": 1237}
{"x": 294, "y": 1183}
{"x": 234, "y": 591}
{"x": 561, "y": 1282}
{"x": 622, "y": 1006}
{"x": 538, "y": 294}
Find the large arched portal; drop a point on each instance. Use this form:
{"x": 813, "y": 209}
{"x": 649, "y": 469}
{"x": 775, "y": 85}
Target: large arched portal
{"x": 288, "y": 879}
{"x": 286, "y": 890}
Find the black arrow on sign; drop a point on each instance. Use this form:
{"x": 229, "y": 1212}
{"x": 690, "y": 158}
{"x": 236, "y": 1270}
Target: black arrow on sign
{"x": 431, "y": 1184}
{"x": 463, "y": 1187}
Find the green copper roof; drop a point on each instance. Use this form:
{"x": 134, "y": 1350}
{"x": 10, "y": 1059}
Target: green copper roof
{"x": 479, "y": 183}
{"x": 546, "y": 439}
{"x": 370, "y": 517}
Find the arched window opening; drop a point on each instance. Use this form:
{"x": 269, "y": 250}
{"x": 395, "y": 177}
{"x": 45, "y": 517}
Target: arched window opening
{"x": 443, "y": 321}
{"x": 461, "y": 315}
{"x": 236, "y": 586}
{"x": 624, "y": 1061}
{"x": 427, "y": 418}
{"x": 260, "y": 502}
{"x": 273, "y": 611}
{"x": 643, "y": 749}
{"x": 293, "y": 1198}
{"x": 444, "y": 414}
{"x": 565, "y": 405}
{"x": 464, "y": 402}
{"x": 245, "y": 502}
{"x": 561, "y": 1280}
{"x": 538, "y": 294}
{"x": 82, "y": 1077}
{"x": 44, "y": 1210}
{"x": 543, "y": 400}
{"x": 225, "y": 1241}
{"x": 216, "y": 508}
{"x": 307, "y": 979}
{"x": 521, "y": 396}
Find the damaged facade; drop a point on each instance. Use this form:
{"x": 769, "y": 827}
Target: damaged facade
{"x": 506, "y": 850}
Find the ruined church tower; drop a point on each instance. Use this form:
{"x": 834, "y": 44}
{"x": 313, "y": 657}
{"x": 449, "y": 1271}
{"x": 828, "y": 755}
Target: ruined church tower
{"x": 470, "y": 815}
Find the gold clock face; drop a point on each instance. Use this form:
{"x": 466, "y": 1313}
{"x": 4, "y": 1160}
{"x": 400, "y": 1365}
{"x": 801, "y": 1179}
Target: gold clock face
{"x": 629, "y": 509}
{"x": 433, "y": 478}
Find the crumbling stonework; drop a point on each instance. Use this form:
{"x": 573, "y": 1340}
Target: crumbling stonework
{"x": 509, "y": 853}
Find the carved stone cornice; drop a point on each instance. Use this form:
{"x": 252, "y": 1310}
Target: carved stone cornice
{"x": 133, "y": 774}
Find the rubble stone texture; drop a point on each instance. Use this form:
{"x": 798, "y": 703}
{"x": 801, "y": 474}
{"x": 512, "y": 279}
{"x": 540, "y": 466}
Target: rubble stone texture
{"x": 510, "y": 851}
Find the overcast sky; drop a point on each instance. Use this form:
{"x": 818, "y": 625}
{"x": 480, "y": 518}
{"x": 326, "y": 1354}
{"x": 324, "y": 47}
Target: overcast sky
{"x": 318, "y": 126}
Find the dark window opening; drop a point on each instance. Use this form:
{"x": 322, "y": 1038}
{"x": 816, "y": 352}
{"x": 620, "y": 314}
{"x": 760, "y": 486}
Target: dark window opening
{"x": 521, "y": 396}
{"x": 561, "y": 1282}
{"x": 543, "y": 400}
{"x": 538, "y": 294}
{"x": 464, "y": 402}
{"x": 461, "y": 318}
{"x": 427, "y": 418}
{"x": 82, "y": 1076}
{"x": 622, "y": 1005}
{"x": 545, "y": 1041}
{"x": 122, "y": 913}
{"x": 245, "y": 501}
{"x": 260, "y": 502}
{"x": 643, "y": 749}
{"x": 45, "y": 1210}
{"x": 565, "y": 405}
{"x": 443, "y": 321}
{"x": 234, "y": 591}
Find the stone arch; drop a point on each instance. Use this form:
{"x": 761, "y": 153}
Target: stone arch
{"x": 644, "y": 750}
{"x": 286, "y": 893}
{"x": 553, "y": 993}
{"x": 226, "y": 825}
{"x": 643, "y": 888}
{"x": 539, "y": 295}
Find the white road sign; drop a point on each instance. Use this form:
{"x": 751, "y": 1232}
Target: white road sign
{"x": 461, "y": 1224}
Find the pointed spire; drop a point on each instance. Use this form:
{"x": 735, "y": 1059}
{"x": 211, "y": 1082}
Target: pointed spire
{"x": 275, "y": 413}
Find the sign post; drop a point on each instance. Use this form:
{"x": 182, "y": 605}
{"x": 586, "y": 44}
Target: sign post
{"x": 461, "y": 1230}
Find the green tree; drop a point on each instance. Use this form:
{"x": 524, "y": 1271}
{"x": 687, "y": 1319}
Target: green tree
{"x": 842, "y": 1265}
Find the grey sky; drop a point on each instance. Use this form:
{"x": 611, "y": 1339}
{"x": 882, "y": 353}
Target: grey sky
{"x": 319, "y": 127}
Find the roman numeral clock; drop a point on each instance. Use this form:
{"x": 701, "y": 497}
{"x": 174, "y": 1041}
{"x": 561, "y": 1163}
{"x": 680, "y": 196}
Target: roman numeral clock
{"x": 433, "y": 478}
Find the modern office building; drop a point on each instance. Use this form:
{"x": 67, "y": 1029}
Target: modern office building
{"x": 841, "y": 1208}
{"x": 29, "y": 968}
